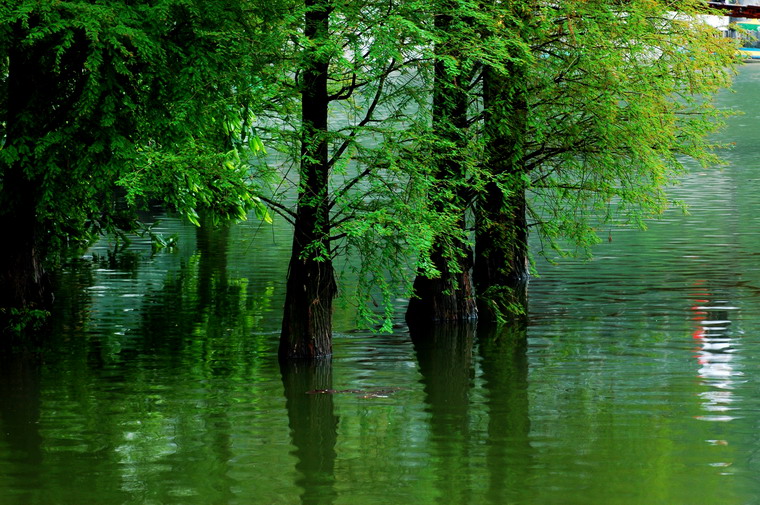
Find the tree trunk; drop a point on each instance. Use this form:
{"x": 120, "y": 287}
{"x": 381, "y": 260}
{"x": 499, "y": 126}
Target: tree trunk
{"x": 501, "y": 253}
{"x": 307, "y": 319}
{"x": 24, "y": 284}
{"x": 501, "y": 229}
{"x": 449, "y": 297}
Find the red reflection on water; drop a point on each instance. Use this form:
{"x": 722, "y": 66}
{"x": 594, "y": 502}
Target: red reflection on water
{"x": 714, "y": 353}
{"x": 699, "y": 313}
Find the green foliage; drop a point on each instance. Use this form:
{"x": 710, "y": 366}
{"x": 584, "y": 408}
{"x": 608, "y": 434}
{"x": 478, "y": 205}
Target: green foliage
{"x": 141, "y": 102}
{"x": 618, "y": 99}
{"x": 378, "y": 93}
{"x": 17, "y": 322}
{"x": 599, "y": 105}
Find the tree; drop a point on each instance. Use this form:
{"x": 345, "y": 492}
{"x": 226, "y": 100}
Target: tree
{"x": 356, "y": 192}
{"x": 478, "y": 114}
{"x": 448, "y": 294}
{"x": 501, "y": 269}
{"x": 588, "y": 111}
{"x": 105, "y": 106}
{"x": 307, "y": 319}
{"x": 618, "y": 101}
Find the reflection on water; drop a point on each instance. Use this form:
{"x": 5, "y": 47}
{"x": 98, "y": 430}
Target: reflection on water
{"x": 504, "y": 366}
{"x": 21, "y": 447}
{"x": 313, "y": 427}
{"x": 716, "y": 353}
{"x": 160, "y": 383}
{"x": 445, "y": 360}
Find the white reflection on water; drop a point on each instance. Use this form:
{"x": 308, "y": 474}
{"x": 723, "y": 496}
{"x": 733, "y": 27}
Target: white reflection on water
{"x": 716, "y": 355}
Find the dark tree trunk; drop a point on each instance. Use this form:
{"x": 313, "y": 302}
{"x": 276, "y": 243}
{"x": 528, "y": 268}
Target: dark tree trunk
{"x": 501, "y": 253}
{"x": 307, "y": 319}
{"x": 501, "y": 229}
{"x": 24, "y": 284}
{"x": 449, "y": 297}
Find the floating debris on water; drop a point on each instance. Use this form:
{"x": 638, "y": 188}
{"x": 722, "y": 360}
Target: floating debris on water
{"x": 362, "y": 393}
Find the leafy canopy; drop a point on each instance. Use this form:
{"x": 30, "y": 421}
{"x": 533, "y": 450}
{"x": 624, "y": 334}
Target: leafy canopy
{"x": 106, "y": 106}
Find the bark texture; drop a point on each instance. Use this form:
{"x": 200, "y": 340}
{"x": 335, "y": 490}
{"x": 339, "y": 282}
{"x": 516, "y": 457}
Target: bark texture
{"x": 501, "y": 271}
{"x": 450, "y": 296}
{"x": 307, "y": 318}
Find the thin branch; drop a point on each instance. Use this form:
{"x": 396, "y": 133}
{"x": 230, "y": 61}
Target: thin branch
{"x": 345, "y": 189}
{"x": 279, "y": 208}
{"x": 367, "y": 117}
{"x": 345, "y": 92}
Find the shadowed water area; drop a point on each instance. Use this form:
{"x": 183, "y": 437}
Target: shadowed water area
{"x": 635, "y": 381}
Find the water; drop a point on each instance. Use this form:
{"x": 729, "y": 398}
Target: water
{"x": 635, "y": 382}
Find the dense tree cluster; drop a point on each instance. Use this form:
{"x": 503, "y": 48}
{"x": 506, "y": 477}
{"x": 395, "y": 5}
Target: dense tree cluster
{"x": 421, "y": 137}
{"x": 104, "y": 108}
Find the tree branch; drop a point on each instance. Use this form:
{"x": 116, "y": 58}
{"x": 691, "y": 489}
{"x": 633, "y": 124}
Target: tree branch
{"x": 280, "y": 209}
{"x": 367, "y": 117}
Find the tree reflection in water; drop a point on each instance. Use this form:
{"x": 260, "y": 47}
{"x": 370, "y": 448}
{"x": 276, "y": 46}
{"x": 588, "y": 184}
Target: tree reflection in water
{"x": 313, "y": 427}
{"x": 447, "y": 365}
{"x": 504, "y": 364}
{"x": 20, "y": 419}
{"x": 444, "y": 354}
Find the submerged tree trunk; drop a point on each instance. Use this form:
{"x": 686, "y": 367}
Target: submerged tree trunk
{"x": 311, "y": 287}
{"x": 450, "y": 296}
{"x": 501, "y": 229}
